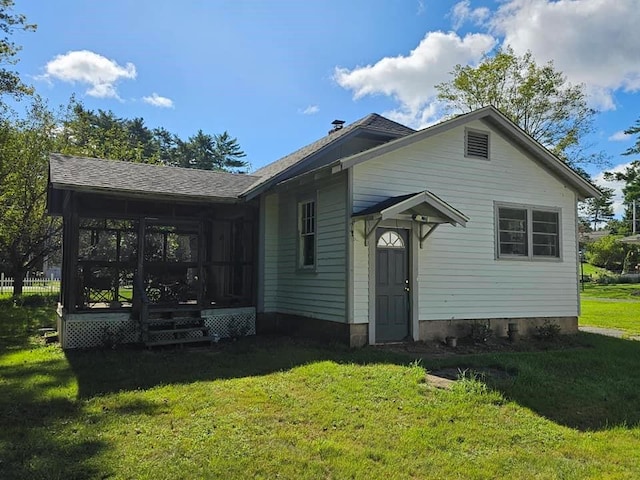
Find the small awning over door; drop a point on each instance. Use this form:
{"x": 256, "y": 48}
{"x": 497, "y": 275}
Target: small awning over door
{"x": 424, "y": 208}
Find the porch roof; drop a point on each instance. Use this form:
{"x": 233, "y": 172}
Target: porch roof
{"x": 113, "y": 176}
{"x": 424, "y": 207}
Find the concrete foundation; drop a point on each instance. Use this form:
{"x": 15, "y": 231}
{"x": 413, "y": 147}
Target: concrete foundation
{"x": 354, "y": 334}
{"x": 440, "y": 329}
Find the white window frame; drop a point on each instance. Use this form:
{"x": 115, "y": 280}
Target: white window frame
{"x": 529, "y": 209}
{"x": 466, "y": 143}
{"x": 307, "y": 227}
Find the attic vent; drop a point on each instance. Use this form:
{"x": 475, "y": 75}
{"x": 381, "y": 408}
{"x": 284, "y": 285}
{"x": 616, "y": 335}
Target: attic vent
{"x": 337, "y": 125}
{"x": 476, "y": 144}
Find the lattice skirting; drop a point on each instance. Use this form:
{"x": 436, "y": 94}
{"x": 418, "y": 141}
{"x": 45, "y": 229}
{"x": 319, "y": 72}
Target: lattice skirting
{"x": 231, "y": 322}
{"x": 99, "y": 330}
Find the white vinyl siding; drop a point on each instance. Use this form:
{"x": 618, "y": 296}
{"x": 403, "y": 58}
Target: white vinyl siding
{"x": 360, "y": 276}
{"x": 458, "y": 273}
{"x": 270, "y": 287}
{"x": 319, "y": 292}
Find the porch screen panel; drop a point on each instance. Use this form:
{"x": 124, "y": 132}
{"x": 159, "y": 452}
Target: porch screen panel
{"x": 171, "y": 263}
{"x": 107, "y": 257}
{"x": 229, "y": 267}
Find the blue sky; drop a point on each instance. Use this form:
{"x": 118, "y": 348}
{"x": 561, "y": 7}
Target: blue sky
{"x": 276, "y": 73}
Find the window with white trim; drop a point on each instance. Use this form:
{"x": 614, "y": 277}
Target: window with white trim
{"x": 307, "y": 229}
{"x": 527, "y": 232}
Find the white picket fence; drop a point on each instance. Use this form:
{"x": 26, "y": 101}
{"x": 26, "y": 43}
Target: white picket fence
{"x": 31, "y": 284}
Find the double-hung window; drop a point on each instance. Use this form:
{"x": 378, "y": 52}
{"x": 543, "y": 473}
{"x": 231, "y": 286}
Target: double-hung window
{"x": 527, "y": 232}
{"x": 307, "y": 229}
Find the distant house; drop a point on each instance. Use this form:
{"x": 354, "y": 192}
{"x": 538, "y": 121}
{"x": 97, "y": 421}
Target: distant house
{"x": 590, "y": 237}
{"x": 375, "y": 233}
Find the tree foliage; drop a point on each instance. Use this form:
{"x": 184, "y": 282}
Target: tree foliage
{"x": 608, "y": 252}
{"x": 27, "y": 234}
{"x": 101, "y": 134}
{"x": 208, "y": 152}
{"x": 630, "y": 176}
{"x": 597, "y": 211}
{"x": 537, "y": 98}
{"x": 10, "y": 22}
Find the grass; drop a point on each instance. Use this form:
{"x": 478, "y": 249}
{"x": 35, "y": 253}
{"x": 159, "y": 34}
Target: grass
{"x": 592, "y": 270}
{"x": 612, "y": 306}
{"x": 277, "y": 408}
{"x": 618, "y": 315}
{"x": 621, "y": 291}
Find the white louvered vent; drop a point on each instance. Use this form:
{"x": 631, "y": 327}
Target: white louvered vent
{"x": 477, "y": 144}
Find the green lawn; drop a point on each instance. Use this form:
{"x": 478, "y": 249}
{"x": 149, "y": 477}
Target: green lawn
{"x": 277, "y": 408}
{"x": 589, "y": 269}
{"x": 622, "y": 291}
{"x": 612, "y": 306}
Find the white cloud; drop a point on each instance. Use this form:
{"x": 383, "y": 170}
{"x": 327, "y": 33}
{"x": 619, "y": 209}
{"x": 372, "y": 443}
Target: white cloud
{"x": 411, "y": 79}
{"x": 619, "y": 136}
{"x": 618, "y": 206}
{"x": 462, "y": 13}
{"x": 99, "y": 73}
{"x": 310, "y": 110}
{"x": 594, "y": 42}
{"x": 158, "y": 101}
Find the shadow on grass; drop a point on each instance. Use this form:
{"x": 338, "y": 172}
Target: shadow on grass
{"x": 17, "y": 324}
{"x": 592, "y": 388}
{"x": 102, "y": 372}
{"x": 32, "y": 443}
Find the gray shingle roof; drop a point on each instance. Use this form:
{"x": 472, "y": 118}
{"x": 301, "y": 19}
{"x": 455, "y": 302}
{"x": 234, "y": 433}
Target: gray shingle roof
{"x": 80, "y": 173}
{"x": 372, "y": 122}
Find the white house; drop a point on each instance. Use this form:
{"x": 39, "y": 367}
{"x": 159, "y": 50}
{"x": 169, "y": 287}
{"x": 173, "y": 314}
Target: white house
{"x": 378, "y": 233}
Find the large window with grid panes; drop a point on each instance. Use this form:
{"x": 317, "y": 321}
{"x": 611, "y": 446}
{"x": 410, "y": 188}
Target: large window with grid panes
{"x": 527, "y": 232}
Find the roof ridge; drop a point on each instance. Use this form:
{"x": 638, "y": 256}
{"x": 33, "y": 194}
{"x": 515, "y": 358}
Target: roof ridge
{"x": 285, "y": 163}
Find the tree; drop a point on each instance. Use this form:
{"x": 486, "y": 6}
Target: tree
{"x": 630, "y": 176}
{"x": 598, "y": 210}
{"x": 206, "y": 152}
{"x": 103, "y": 135}
{"x": 537, "y": 98}
{"x": 27, "y": 234}
{"x": 608, "y": 252}
{"x": 227, "y": 154}
{"x": 10, "y": 83}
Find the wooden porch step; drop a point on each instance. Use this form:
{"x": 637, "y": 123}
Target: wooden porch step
{"x": 179, "y": 330}
{"x": 154, "y": 326}
{"x": 181, "y": 341}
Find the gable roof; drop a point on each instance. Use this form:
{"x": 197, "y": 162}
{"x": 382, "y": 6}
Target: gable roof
{"x": 424, "y": 203}
{"x": 497, "y": 120}
{"x": 114, "y": 176}
{"x": 278, "y": 170}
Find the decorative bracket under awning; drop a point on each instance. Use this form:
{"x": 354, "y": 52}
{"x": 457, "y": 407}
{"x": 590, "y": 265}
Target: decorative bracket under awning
{"x": 424, "y": 208}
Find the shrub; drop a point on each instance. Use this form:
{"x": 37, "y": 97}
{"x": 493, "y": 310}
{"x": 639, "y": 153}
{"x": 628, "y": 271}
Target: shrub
{"x": 548, "y": 331}
{"x": 479, "y": 331}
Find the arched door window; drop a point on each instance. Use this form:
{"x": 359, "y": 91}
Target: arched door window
{"x": 390, "y": 239}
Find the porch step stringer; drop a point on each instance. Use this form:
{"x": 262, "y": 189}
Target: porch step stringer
{"x": 175, "y": 331}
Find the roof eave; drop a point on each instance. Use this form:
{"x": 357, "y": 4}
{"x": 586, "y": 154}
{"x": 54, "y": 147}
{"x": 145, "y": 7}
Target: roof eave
{"x": 253, "y": 192}
{"x": 143, "y": 194}
{"x": 559, "y": 168}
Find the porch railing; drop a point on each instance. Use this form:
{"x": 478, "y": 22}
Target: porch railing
{"x": 42, "y": 285}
